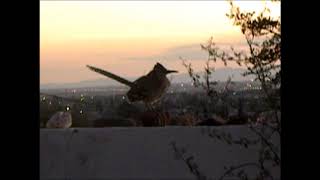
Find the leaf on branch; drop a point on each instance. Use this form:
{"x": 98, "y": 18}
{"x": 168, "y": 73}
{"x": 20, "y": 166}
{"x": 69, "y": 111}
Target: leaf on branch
{"x": 225, "y": 62}
{"x": 211, "y": 53}
{"x": 203, "y": 47}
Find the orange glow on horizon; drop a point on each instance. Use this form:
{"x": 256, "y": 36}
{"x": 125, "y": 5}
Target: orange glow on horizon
{"x": 119, "y": 34}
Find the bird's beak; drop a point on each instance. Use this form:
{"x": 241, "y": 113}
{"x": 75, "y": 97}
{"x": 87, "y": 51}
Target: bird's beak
{"x": 171, "y": 71}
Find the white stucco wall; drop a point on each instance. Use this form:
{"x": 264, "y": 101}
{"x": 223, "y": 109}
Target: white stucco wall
{"x": 137, "y": 153}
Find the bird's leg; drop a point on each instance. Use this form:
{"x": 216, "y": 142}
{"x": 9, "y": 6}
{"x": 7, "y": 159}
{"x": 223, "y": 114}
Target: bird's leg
{"x": 163, "y": 117}
{"x": 158, "y": 115}
{"x": 149, "y": 107}
{"x": 160, "y": 118}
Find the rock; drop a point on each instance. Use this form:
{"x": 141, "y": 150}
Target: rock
{"x": 215, "y": 120}
{"x": 210, "y": 122}
{"x": 238, "y": 120}
{"x": 60, "y": 120}
{"x": 114, "y": 122}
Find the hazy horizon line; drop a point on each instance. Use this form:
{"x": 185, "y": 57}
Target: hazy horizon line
{"x": 134, "y": 77}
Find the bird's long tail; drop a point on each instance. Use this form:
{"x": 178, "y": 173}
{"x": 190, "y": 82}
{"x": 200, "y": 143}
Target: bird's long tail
{"x": 112, "y": 76}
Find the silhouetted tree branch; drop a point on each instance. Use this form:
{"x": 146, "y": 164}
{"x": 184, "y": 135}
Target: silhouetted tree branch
{"x": 241, "y": 174}
{"x": 263, "y": 61}
{"x": 180, "y": 153}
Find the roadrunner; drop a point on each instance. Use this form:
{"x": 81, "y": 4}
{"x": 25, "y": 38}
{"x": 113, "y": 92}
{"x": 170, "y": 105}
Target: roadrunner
{"x": 148, "y": 88}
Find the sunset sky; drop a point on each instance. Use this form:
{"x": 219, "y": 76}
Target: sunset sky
{"x": 128, "y": 38}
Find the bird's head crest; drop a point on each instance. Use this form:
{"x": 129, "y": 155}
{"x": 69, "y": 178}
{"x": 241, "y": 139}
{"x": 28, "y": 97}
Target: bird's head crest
{"x": 161, "y": 69}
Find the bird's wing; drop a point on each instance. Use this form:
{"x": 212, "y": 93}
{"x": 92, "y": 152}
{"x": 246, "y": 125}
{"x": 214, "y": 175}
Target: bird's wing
{"x": 112, "y": 76}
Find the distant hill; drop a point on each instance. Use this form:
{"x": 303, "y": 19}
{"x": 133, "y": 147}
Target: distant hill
{"x": 219, "y": 75}
{"x": 88, "y": 83}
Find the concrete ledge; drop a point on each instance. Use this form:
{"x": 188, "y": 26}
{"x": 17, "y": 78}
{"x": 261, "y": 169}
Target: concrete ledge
{"x": 138, "y": 153}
